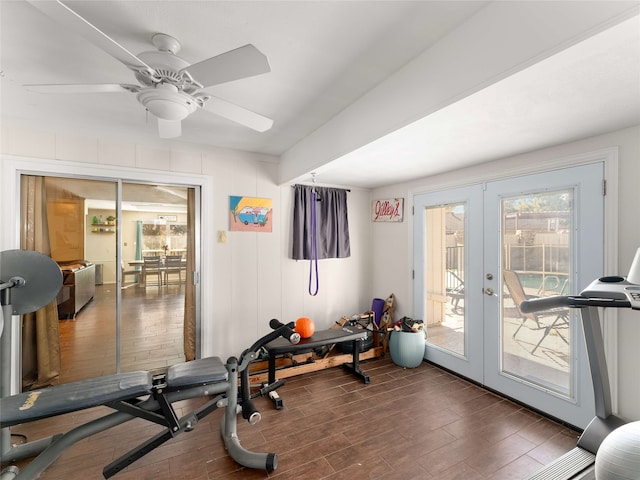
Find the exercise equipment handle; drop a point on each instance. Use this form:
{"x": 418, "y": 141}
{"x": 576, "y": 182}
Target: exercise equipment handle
{"x": 544, "y": 303}
{"x": 249, "y": 411}
{"x": 578, "y": 301}
{"x": 286, "y": 331}
{"x": 280, "y": 330}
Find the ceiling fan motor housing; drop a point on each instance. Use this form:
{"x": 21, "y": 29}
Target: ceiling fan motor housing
{"x": 167, "y": 67}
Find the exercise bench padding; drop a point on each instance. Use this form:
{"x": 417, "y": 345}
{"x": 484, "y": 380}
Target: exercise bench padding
{"x": 204, "y": 371}
{"x": 145, "y": 396}
{"x": 69, "y": 397}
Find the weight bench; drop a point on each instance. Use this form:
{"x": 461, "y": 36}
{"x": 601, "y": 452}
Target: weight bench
{"x": 321, "y": 338}
{"x": 280, "y": 346}
{"x": 122, "y": 392}
{"x": 30, "y": 281}
{"x": 141, "y": 395}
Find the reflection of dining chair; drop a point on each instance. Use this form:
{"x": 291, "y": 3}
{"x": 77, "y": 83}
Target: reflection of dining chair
{"x": 173, "y": 265}
{"x": 561, "y": 320}
{"x": 126, "y": 273}
{"x": 151, "y": 266}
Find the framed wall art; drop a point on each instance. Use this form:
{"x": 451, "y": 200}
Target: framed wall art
{"x": 387, "y": 210}
{"x": 250, "y": 214}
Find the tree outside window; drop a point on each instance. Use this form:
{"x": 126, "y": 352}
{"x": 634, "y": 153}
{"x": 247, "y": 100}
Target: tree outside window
{"x": 163, "y": 237}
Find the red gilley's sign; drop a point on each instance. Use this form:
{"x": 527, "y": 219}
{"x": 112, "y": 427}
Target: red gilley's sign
{"x": 388, "y": 210}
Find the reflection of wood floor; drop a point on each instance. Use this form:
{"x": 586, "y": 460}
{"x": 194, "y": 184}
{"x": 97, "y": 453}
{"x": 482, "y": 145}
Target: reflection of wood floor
{"x": 409, "y": 424}
{"x": 151, "y": 332}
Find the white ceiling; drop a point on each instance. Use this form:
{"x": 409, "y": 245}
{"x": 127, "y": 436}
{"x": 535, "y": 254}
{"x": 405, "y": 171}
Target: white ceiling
{"x": 590, "y": 88}
{"x": 324, "y": 56}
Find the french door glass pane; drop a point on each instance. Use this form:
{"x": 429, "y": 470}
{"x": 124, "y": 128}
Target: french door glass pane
{"x": 444, "y": 277}
{"x": 537, "y": 261}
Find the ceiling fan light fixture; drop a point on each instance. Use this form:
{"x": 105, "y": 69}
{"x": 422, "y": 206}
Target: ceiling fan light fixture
{"x": 167, "y": 102}
{"x": 169, "y": 85}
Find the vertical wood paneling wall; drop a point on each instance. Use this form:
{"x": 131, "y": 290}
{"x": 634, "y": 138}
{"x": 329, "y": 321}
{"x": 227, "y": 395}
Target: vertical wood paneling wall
{"x": 254, "y": 279}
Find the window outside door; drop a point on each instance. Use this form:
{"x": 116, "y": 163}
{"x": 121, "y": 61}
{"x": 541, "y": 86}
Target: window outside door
{"x": 479, "y": 251}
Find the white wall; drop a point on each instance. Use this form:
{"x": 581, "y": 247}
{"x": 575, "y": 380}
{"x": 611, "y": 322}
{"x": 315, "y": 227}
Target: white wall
{"x": 255, "y": 278}
{"x": 392, "y": 241}
{"x": 252, "y": 279}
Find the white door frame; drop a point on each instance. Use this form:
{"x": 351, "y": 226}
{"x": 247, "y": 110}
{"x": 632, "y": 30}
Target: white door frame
{"x": 609, "y": 156}
{"x": 12, "y": 167}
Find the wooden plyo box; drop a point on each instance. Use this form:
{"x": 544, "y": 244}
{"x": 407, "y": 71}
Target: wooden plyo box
{"x": 300, "y": 364}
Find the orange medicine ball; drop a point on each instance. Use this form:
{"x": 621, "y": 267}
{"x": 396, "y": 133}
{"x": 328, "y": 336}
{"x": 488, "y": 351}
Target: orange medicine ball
{"x": 305, "y": 327}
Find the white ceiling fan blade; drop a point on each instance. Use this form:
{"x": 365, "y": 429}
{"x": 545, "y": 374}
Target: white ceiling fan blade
{"x": 238, "y": 114}
{"x": 66, "y": 17}
{"x": 83, "y": 88}
{"x": 169, "y": 128}
{"x": 242, "y": 62}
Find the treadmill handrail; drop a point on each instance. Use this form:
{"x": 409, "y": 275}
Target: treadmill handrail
{"x": 574, "y": 301}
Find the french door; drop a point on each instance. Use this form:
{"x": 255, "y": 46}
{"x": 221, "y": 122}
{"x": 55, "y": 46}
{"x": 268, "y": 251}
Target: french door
{"x": 479, "y": 251}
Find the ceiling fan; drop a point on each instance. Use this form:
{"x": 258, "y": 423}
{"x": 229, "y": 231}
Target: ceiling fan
{"x": 169, "y": 87}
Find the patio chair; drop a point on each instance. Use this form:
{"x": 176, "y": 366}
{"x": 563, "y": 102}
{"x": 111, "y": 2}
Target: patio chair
{"x": 455, "y": 289}
{"x": 560, "y": 316}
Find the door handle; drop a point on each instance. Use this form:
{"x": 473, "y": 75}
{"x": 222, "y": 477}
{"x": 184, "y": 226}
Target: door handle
{"x": 489, "y": 291}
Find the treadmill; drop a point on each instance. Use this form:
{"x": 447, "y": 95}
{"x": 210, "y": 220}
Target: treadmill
{"x": 612, "y": 292}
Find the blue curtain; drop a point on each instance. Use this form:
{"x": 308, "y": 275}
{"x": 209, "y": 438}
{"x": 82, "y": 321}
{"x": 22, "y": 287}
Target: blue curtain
{"x": 331, "y": 222}
{"x": 139, "y": 240}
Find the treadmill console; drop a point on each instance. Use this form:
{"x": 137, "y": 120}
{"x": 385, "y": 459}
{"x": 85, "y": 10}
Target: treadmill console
{"x": 614, "y": 288}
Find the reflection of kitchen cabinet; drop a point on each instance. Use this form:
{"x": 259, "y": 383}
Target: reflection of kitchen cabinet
{"x": 66, "y": 235}
{"x": 78, "y": 288}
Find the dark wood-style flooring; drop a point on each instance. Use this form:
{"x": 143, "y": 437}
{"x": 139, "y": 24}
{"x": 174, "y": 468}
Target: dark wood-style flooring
{"x": 151, "y": 330}
{"x": 421, "y": 423}
{"x": 406, "y": 424}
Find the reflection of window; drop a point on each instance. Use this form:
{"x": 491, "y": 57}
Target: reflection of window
{"x": 162, "y": 237}
{"x": 177, "y": 237}
{"x": 153, "y": 230}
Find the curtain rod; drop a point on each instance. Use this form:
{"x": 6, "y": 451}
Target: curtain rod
{"x": 303, "y": 185}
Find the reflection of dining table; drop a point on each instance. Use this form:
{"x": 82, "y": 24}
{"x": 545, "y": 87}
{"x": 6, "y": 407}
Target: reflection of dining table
{"x": 140, "y": 263}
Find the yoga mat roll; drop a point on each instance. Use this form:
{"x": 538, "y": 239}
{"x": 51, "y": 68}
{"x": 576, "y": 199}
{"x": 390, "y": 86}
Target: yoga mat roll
{"x": 377, "y": 307}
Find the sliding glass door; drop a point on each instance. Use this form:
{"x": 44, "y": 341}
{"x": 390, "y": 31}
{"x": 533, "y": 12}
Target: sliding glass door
{"x": 110, "y": 317}
{"x": 153, "y": 225}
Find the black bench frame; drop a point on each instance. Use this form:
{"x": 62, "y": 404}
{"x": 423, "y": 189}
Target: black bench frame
{"x": 318, "y": 339}
{"x": 146, "y": 397}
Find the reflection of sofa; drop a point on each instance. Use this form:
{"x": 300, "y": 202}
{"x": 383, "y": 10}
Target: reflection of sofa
{"x": 78, "y": 287}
